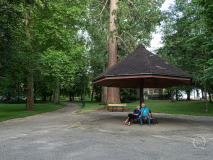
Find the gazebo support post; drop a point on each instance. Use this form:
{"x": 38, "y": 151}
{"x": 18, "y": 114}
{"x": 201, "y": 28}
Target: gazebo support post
{"x": 141, "y": 92}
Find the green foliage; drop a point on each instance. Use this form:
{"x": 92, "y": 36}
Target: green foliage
{"x": 55, "y": 48}
{"x": 135, "y": 22}
{"x": 129, "y": 94}
{"x": 158, "y": 97}
{"x": 188, "y": 41}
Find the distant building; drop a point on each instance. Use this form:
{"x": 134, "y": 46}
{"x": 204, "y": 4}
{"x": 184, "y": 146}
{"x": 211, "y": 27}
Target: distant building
{"x": 153, "y": 91}
{"x": 155, "y": 94}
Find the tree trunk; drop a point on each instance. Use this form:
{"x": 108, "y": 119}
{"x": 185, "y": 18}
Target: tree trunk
{"x": 92, "y": 95}
{"x": 57, "y": 93}
{"x": 198, "y": 94}
{"x": 206, "y": 102}
{"x": 210, "y": 98}
{"x": 50, "y": 98}
{"x": 188, "y": 95}
{"x": 18, "y": 93}
{"x": 202, "y": 94}
{"x": 30, "y": 97}
{"x": 70, "y": 95}
{"x": 172, "y": 95}
{"x": 176, "y": 94}
{"x": 113, "y": 93}
{"x": 44, "y": 97}
{"x": 104, "y": 95}
{"x": 53, "y": 97}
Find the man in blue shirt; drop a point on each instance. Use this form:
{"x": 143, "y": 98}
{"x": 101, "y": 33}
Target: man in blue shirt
{"x": 144, "y": 114}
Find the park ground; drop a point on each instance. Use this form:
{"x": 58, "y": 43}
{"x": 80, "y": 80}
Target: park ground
{"x": 65, "y": 134}
{"x": 195, "y": 108}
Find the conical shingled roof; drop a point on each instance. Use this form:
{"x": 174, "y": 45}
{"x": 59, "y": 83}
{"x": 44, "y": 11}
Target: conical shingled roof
{"x": 142, "y": 64}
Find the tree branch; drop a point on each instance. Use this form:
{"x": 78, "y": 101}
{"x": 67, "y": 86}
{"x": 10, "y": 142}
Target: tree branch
{"x": 102, "y": 9}
{"x": 119, "y": 57}
{"x": 132, "y": 4}
{"x": 101, "y": 20}
{"x": 136, "y": 8}
{"x": 98, "y": 5}
{"x": 152, "y": 3}
{"x": 123, "y": 43}
{"x": 128, "y": 34}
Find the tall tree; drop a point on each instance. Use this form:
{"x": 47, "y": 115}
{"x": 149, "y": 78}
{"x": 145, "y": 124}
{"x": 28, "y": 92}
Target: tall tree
{"x": 46, "y": 42}
{"x": 113, "y": 94}
{"x": 124, "y": 24}
{"x": 186, "y": 41}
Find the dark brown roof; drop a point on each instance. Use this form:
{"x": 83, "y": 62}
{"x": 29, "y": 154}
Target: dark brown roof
{"x": 142, "y": 64}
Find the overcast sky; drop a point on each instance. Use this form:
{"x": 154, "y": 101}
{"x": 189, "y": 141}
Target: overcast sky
{"x": 156, "y": 41}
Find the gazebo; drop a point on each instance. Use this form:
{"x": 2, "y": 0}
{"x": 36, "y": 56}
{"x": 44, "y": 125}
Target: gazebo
{"x": 143, "y": 69}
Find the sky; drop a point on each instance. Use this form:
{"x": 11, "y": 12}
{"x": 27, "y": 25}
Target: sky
{"x": 156, "y": 41}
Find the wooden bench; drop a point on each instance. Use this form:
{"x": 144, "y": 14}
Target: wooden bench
{"x": 117, "y": 107}
{"x": 152, "y": 120}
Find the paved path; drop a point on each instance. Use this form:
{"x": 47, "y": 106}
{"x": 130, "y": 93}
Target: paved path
{"x": 65, "y": 135}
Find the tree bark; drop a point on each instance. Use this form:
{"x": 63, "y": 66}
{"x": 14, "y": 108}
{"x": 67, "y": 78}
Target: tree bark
{"x": 176, "y": 94}
{"x": 172, "y": 95}
{"x": 44, "y": 97}
{"x": 206, "y": 101}
{"x": 210, "y": 98}
{"x": 113, "y": 93}
{"x": 104, "y": 95}
{"x": 70, "y": 95}
{"x": 30, "y": 96}
{"x": 53, "y": 97}
{"x": 203, "y": 97}
{"x": 104, "y": 90}
{"x": 57, "y": 93}
{"x": 188, "y": 95}
{"x": 18, "y": 93}
{"x": 198, "y": 94}
{"x": 92, "y": 95}
{"x": 50, "y": 98}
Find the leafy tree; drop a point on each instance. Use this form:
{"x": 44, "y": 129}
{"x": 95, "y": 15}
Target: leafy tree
{"x": 46, "y": 43}
{"x": 186, "y": 42}
{"x": 120, "y": 24}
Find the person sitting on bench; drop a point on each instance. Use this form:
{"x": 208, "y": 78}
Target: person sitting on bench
{"x": 133, "y": 116}
{"x": 144, "y": 114}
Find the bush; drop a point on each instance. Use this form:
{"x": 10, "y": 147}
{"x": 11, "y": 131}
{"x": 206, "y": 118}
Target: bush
{"x": 158, "y": 97}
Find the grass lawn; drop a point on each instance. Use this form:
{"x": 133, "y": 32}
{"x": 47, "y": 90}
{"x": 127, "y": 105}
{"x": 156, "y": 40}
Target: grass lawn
{"x": 164, "y": 106}
{"x": 11, "y": 111}
{"x": 88, "y": 106}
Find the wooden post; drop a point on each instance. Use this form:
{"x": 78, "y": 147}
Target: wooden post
{"x": 141, "y": 92}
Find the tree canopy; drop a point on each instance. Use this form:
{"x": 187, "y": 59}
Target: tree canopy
{"x": 50, "y": 47}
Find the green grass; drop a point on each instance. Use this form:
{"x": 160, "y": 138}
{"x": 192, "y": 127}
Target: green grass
{"x": 11, "y": 111}
{"x": 195, "y": 108}
{"x": 89, "y": 106}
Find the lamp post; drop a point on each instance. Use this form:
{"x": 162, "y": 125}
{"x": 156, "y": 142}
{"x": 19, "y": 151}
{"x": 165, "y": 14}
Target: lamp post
{"x": 84, "y": 90}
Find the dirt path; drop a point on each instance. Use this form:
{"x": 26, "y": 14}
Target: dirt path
{"x": 63, "y": 134}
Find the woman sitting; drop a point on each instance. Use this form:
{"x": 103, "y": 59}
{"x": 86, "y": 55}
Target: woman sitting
{"x": 133, "y": 116}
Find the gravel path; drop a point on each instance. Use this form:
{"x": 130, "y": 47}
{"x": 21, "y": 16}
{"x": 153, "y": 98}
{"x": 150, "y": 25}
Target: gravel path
{"x": 65, "y": 135}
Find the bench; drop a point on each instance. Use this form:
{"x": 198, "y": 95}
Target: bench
{"x": 152, "y": 119}
{"x": 117, "y": 107}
